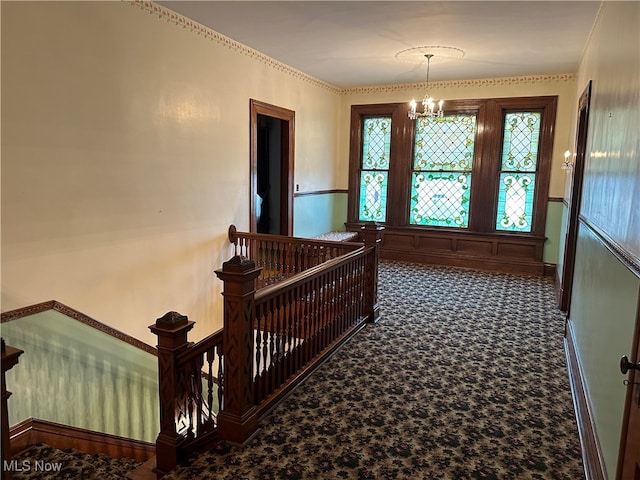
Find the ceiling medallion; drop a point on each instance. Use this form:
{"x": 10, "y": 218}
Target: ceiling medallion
{"x": 419, "y": 54}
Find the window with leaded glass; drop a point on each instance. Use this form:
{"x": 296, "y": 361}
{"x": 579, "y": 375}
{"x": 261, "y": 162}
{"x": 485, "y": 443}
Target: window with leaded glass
{"x": 518, "y": 167}
{"x": 374, "y": 170}
{"x": 482, "y": 169}
{"x": 441, "y": 175}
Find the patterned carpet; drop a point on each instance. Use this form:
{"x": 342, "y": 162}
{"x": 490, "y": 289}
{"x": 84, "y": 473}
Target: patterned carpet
{"x": 463, "y": 378}
{"x": 44, "y": 462}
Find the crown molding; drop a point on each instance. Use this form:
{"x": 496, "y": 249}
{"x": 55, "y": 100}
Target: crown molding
{"x": 485, "y": 82}
{"x": 208, "y": 33}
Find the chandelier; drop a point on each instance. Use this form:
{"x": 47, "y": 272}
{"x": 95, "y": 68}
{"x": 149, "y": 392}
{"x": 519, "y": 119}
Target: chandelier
{"x": 428, "y": 105}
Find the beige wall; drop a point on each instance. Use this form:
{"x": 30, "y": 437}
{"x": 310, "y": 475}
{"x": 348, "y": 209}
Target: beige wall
{"x": 562, "y": 85}
{"x": 125, "y": 157}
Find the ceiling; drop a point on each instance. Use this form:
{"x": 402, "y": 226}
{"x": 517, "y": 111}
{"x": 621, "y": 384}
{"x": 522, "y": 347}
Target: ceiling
{"x": 356, "y": 43}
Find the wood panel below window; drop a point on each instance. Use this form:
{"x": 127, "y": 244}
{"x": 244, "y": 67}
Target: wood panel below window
{"x": 507, "y": 253}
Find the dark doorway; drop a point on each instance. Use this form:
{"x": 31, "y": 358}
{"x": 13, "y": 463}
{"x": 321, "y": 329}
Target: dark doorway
{"x": 571, "y": 235}
{"x": 272, "y": 131}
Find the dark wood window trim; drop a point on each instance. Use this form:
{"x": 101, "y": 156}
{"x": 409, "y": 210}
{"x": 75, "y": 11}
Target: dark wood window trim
{"x": 493, "y": 245}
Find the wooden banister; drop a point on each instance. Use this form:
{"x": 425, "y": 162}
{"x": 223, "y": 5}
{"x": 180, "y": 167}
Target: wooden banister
{"x": 282, "y": 256}
{"x": 272, "y": 338}
{"x": 10, "y": 358}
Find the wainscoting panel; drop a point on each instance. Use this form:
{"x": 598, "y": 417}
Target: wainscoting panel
{"x": 497, "y": 252}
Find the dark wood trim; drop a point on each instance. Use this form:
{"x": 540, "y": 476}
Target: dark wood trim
{"x": 256, "y": 108}
{"x": 591, "y": 451}
{"x": 320, "y": 192}
{"x": 571, "y": 234}
{"x": 33, "y": 430}
{"x": 549, "y": 270}
{"x": 556, "y": 199}
{"x": 80, "y": 317}
{"x": 500, "y": 252}
{"x": 624, "y": 256}
{"x": 26, "y": 311}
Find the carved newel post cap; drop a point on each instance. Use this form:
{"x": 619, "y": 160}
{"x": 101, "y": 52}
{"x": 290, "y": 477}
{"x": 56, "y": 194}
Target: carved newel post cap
{"x": 171, "y": 320}
{"x": 238, "y": 264}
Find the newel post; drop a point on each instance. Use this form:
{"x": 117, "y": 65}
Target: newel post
{"x": 10, "y": 358}
{"x": 371, "y": 233}
{"x": 171, "y": 330}
{"x": 237, "y": 420}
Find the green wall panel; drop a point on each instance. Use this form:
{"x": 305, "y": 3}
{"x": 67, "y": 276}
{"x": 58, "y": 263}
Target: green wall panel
{"x": 552, "y": 232}
{"x": 315, "y": 214}
{"x": 76, "y": 375}
{"x": 603, "y": 310}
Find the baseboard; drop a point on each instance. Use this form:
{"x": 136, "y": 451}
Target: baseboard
{"x": 591, "y": 452}
{"x": 33, "y": 430}
{"x": 549, "y": 270}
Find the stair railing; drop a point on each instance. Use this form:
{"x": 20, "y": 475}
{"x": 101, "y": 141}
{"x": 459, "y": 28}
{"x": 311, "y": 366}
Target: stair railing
{"x": 281, "y": 256}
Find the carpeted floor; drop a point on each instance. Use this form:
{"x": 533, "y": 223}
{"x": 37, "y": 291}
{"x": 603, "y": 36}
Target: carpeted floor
{"x": 463, "y": 378}
{"x": 44, "y": 462}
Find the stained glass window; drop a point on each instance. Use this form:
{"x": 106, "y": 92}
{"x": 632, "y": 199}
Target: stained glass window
{"x": 518, "y": 171}
{"x": 442, "y": 164}
{"x": 374, "y": 171}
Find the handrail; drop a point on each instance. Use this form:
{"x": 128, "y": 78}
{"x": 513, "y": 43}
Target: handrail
{"x": 282, "y": 256}
{"x": 234, "y": 235}
{"x": 306, "y": 275}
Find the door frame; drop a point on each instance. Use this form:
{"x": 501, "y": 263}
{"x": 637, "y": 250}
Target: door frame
{"x": 256, "y": 108}
{"x": 571, "y": 236}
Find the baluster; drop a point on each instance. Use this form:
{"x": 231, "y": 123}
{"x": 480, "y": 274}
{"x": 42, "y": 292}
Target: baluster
{"x": 266, "y": 354}
{"x": 287, "y": 333}
{"x": 317, "y": 321}
{"x": 288, "y": 259}
{"x": 220, "y": 381}
{"x": 338, "y": 299}
{"x": 299, "y": 319}
{"x": 190, "y": 396}
{"x": 299, "y": 266}
{"x": 330, "y": 305}
{"x": 210, "y": 359}
{"x": 259, "y": 326}
{"x": 277, "y": 339}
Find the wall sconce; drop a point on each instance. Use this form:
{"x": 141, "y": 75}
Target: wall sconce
{"x": 567, "y": 163}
